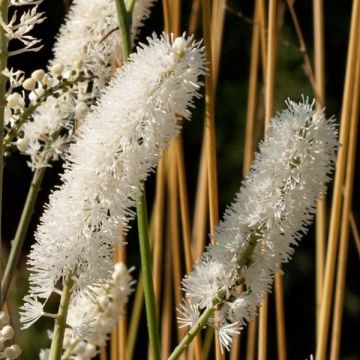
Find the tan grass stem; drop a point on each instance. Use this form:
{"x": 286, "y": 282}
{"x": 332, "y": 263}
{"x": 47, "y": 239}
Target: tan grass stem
{"x": 338, "y": 186}
{"x": 122, "y": 323}
{"x": 344, "y": 233}
{"x": 269, "y": 101}
{"x": 355, "y": 232}
{"x": 194, "y": 16}
{"x": 319, "y": 67}
{"x": 251, "y": 339}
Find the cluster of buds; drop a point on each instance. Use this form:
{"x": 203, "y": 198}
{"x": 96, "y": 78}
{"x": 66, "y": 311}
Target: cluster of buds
{"x": 7, "y": 333}
{"x": 93, "y": 317}
{"x": 57, "y": 83}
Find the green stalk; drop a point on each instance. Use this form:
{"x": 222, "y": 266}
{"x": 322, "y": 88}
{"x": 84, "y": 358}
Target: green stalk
{"x": 60, "y": 322}
{"x": 21, "y": 231}
{"x": 145, "y": 254}
{"x": 3, "y": 63}
{"x": 124, "y": 25}
{"x": 124, "y": 17}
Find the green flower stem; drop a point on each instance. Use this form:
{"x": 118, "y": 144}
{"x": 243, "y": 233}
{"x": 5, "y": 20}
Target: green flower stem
{"x": 60, "y": 322}
{"x": 4, "y": 4}
{"x": 130, "y": 7}
{"x": 245, "y": 259}
{"x": 21, "y": 231}
{"x": 145, "y": 254}
{"x": 189, "y": 337}
{"x": 124, "y": 25}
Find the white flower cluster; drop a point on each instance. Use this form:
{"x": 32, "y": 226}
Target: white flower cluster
{"x": 7, "y": 333}
{"x": 92, "y": 320}
{"x": 91, "y": 36}
{"x": 36, "y": 89}
{"x": 275, "y": 204}
{"x": 18, "y": 28}
{"x": 117, "y": 146}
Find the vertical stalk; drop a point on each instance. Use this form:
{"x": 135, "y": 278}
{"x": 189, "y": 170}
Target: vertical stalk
{"x": 338, "y": 186}
{"x": 124, "y": 26}
{"x": 60, "y": 322}
{"x": 344, "y": 234}
{"x": 3, "y": 63}
{"x": 319, "y": 61}
{"x": 145, "y": 255}
{"x": 21, "y": 231}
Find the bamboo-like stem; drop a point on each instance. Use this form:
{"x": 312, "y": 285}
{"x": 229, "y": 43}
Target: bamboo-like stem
{"x": 158, "y": 237}
{"x": 135, "y": 319}
{"x": 145, "y": 255}
{"x": 217, "y": 30}
{"x": 235, "y": 348}
{"x": 280, "y": 316}
{"x": 210, "y": 136}
{"x": 269, "y": 100}
{"x": 355, "y": 232}
{"x": 251, "y": 103}
{"x": 338, "y": 186}
{"x": 21, "y": 231}
{"x": 184, "y": 205}
{"x": 344, "y": 233}
{"x": 4, "y": 4}
{"x": 210, "y": 123}
{"x": 194, "y": 16}
{"x": 201, "y": 203}
{"x": 263, "y": 41}
{"x": 166, "y": 15}
{"x": 114, "y": 345}
{"x": 319, "y": 61}
{"x": 60, "y": 322}
{"x": 251, "y": 340}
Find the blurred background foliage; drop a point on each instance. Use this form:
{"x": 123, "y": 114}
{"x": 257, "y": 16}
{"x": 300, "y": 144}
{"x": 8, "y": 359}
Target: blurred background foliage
{"x": 292, "y": 82}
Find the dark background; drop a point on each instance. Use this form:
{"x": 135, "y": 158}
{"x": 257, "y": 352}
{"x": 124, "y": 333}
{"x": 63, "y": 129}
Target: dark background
{"x": 230, "y": 125}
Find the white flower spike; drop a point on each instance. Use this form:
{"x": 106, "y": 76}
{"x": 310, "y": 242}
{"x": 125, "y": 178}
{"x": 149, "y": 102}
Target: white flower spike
{"x": 269, "y": 215}
{"x": 118, "y": 145}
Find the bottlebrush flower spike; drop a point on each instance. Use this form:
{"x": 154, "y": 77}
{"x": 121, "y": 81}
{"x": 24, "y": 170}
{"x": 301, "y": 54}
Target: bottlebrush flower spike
{"x": 275, "y": 204}
{"x": 90, "y": 38}
{"x": 118, "y": 144}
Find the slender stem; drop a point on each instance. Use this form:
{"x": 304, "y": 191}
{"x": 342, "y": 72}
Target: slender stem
{"x": 145, "y": 255}
{"x": 130, "y": 6}
{"x": 60, "y": 322}
{"x": 124, "y": 25}
{"x": 21, "y": 231}
{"x": 200, "y": 323}
{"x": 3, "y": 63}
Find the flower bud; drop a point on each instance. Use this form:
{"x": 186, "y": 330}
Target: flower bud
{"x": 57, "y": 69}
{"x": 7, "y": 332}
{"x": 38, "y": 75}
{"x": 29, "y": 84}
{"x": 15, "y": 100}
{"x": 180, "y": 45}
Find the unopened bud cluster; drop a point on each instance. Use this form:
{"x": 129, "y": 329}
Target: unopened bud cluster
{"x": 40, "y": 86}
{"x": 7, "y": 333}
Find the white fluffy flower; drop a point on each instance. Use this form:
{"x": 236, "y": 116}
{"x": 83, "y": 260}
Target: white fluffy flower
{"x": 91, "y": 38}
{"x": 118, "y": 145}
{"x": 268, "y": 217}
{"x": 91, "y": 320}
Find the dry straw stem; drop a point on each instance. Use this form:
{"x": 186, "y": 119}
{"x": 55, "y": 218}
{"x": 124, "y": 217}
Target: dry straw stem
{"x": 344, "y": 233}
{"x": 122, "y": 323}
{"x": 269, "y": 101}
{"x": 251, "y": 340}
{"x": 194, "y": 16}
{"x": 355, "y": 232}
{"x": 338, "y": 185}
{"x": 319, "y": 66}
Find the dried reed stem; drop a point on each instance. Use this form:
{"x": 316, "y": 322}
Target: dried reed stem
{"x": 269, "y": 101}
{"x": 344, "y": 234}
{"x": 251, "y": 339}
{"x": 103, "y": 355}
{"x": 355, "y": 232}
{"x": 319, "y": 66}
{"x": 338, "y": 186}
{"x": 194, "y": 16}
{"x": 122, "y": 323}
